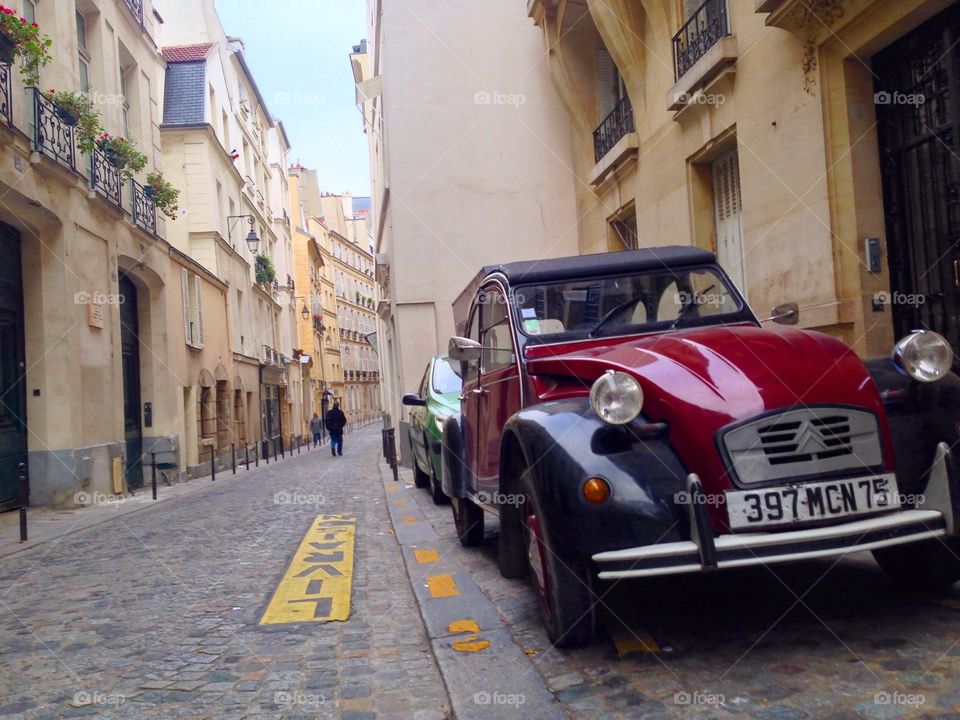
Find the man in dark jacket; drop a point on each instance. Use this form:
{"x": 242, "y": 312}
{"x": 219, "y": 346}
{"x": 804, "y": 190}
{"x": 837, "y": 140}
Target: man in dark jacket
{"x": 335, "y": 422}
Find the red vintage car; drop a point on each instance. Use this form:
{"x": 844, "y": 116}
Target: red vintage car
{"x": 626, "y": 415}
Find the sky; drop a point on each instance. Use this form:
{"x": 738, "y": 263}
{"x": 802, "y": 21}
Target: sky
{"x": 298, "y": 51}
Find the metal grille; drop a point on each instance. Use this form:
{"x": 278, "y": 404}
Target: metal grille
{"x": 617, "y": 124}
{"x": 6, "y": 105}
{"x": 144, "y": 211}
{"x": 52, "y": 136}
{"x": 803, "y": 443}
{"x": 701, "y": 32}
{"x": 105, "y": 177}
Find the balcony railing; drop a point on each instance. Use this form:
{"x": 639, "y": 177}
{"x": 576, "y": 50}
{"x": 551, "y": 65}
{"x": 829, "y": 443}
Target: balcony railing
{"x": 701, "y": 32}
{"x": 614, "y": 126}
{"x": 6, "y": 100}
{"x": 105, "y": 178}
{"x": 144, "y": 211}
{"x": 136, "y": 7}
{"x": 52, "y": 136}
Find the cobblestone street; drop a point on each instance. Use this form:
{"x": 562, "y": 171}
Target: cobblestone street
{"x": 155, "y": 614}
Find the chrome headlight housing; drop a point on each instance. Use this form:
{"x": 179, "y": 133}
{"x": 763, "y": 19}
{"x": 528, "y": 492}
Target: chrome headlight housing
{"x": 924, "y": 355}
{"x": 616, "y": 397}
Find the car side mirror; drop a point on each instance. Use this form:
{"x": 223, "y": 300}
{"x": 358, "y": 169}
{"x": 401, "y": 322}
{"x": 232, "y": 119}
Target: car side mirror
{"x": 414, "y": 400}
{"x": 464, "y": 350}
{"x": 786, "y": 314}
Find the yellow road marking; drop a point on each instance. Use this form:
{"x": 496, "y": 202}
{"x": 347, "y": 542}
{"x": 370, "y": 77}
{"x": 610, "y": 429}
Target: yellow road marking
{"x": 635, "y": 640}
{"x": 442, "y": 586}
{"x": 392, "y": 488}
{"x": 471, "y": 644}
{"x": 409, "y": 520}
{"x": 464, "y": 626}
{"x": 400, "y": 501}
{"x": 316, "y": 586}
{"x": 426, "y": 556}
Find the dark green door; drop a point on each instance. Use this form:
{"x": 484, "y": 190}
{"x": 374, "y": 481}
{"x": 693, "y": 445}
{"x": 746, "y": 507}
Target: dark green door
{"x": 130, "y": 344}
{"x": 13, "y": 396}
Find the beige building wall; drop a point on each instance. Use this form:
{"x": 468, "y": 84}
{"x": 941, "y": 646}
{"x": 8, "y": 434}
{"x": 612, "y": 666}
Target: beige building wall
{"x": 471, "y": 164}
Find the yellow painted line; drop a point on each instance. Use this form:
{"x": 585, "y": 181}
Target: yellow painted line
{"x": 409, "y": 520}
{"x": 392, "y": 488}
{"x": 316, "y": 586}
{"x": 400, "y": 501}
{"x": 464, "y": 626}
{"x": 442, "y": 586}
{"x": 426, "y": 556}
{"x": 471, "y": 644}
{"x": 634, "y": 640}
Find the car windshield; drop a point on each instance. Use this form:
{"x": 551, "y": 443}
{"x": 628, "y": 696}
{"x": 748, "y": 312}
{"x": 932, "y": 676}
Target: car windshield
{"x": 645, "y": 302}
{"x": 445, "y": 380}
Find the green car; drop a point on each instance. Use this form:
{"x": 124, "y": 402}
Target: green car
{"x": 437, "y": 398}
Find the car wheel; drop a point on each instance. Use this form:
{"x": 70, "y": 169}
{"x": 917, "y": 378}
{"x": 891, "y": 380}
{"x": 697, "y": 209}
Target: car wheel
{"x": 930, "y": 565}
{"x": 563, "y": 586}
{"x": 511, "y": 547}
{"x": 436, "y": 489}
{"x": 469, "y": 521}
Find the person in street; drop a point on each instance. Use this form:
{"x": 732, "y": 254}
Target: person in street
{"x": 336, "y": 421}
{"x": 316, "y": 427}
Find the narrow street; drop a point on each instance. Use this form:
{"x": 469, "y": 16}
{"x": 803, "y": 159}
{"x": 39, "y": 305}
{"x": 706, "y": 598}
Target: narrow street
{"x": 157, "y": 614}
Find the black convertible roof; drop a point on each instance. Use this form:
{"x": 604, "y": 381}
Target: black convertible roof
{"x": 583, "y": 266}
{"x": 530, "y": 271}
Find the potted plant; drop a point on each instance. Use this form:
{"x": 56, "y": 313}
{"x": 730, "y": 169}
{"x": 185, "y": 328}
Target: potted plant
{"x": 164, "y": 195}
{"x": 122, "y": 154}
{"x": 20, "y": 39}
{"x": 76, "y": 110}
{"x": 264, "y": 270}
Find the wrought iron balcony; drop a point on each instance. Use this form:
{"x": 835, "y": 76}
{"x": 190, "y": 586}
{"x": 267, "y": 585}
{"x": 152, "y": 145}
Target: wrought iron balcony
{"x": 614, "y": 126}
{"x": 51, "y": 135}
{"x": 6, "y": 99}
{"x": 701, "y": 32}
{"x": 105, "y": 178}
{"x": 144, "y": 211}
{"x": 136, "y": 7}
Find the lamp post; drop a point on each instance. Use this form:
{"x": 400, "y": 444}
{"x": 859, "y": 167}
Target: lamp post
{"x": 253, "y": 240}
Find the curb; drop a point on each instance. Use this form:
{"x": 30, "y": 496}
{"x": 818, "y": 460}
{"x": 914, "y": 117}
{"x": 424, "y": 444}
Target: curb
{"x": 487, "y": 675}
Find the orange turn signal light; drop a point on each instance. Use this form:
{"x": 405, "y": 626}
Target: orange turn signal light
{"x": 596, "y": 490}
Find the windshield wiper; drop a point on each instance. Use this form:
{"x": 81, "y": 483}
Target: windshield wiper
{"x": 692, "y": 302}
{"x": 612, "y": 312}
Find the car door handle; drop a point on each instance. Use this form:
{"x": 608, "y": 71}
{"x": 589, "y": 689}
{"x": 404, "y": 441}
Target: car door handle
{"x": 479, "y": 391}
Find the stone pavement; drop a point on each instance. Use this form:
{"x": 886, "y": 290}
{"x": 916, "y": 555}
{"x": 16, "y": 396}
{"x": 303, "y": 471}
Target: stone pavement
{"x": 821, "y": 640}
{"x": 155, "y": 614}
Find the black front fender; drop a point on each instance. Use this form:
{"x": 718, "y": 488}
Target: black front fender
{"x": 564, "y": 444}
{"x": 920, "y": 415}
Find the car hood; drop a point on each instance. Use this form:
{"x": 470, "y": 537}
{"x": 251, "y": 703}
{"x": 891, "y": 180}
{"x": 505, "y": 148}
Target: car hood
{"x": 703, "y": 379}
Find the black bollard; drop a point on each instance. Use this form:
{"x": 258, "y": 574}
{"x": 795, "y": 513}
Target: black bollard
{"x": 256, "y": 455}
{"x": 274, "y": 450}
{"x": 153, "y": 473}
{"x": 233, "y": 457}
{"x": 24, "y": 492}
{"x": 246, "y": 455}
{"x": 280, "y": 440}
{"x": 213, "y": 464}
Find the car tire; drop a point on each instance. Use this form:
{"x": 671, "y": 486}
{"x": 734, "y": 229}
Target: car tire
{"x": 564, "y": 586}
{"x": 930, "y": 565}
{"x": 420, "y": 478}
{"x": 511, "y": 550}
{"x": 436, "y": 489}
{"x": 468, "y": 518}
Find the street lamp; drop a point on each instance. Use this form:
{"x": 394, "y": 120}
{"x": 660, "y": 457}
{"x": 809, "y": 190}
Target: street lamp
{"x": 305, "y": 312}
{"x": 253, "y": 240}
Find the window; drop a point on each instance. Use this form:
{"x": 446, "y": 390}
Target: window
{"x": 124, "y": 72}
{"x": 624, "y": 231}
{"x": 29, "y": 11}
{"x": 495, "y": 338}
{"x": 192, "y": 308}
{"x": 84, "y": 56}
{"x": 610, "y": 86}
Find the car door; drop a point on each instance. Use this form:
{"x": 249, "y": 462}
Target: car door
{"x": 418, "y": 417}
{"x": 470, "y": 401}
{"x": 499, "y": 386}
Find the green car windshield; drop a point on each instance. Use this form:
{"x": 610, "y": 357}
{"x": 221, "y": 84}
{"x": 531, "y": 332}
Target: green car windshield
{"x": 445, "y": 380}
{"x": 647, "y": 302}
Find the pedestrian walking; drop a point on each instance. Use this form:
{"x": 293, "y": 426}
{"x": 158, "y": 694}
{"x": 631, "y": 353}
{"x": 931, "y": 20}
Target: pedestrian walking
{"x": 336, "y": 421}
{"x": 316, "y": 427}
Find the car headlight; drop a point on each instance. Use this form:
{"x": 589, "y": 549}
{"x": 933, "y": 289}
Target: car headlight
{"x": 924, "y": 356}
{"x": 616, "y": 397}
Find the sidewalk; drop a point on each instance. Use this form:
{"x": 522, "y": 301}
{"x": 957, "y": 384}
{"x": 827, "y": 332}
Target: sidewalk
{"x": 45, "y": 524}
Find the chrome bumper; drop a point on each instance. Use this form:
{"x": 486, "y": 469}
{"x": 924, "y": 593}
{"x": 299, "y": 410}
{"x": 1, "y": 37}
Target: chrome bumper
{"x": 705, "y": 551}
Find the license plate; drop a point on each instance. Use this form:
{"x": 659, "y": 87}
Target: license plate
{"x": 808, "y": 502}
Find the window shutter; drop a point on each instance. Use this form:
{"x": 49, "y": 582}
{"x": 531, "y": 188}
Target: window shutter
{"x": 606, "y": 80}
{"x": 196, "y": 287}
{"x": 185, "y": 286}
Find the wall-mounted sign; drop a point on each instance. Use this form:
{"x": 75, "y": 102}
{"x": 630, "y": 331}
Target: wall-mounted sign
{"x": 95, "y": 314}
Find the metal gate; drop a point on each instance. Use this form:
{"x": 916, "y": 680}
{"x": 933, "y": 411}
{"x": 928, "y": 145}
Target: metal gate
{"x": 917, "y": 96}
{"x": 13, "y": 397}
